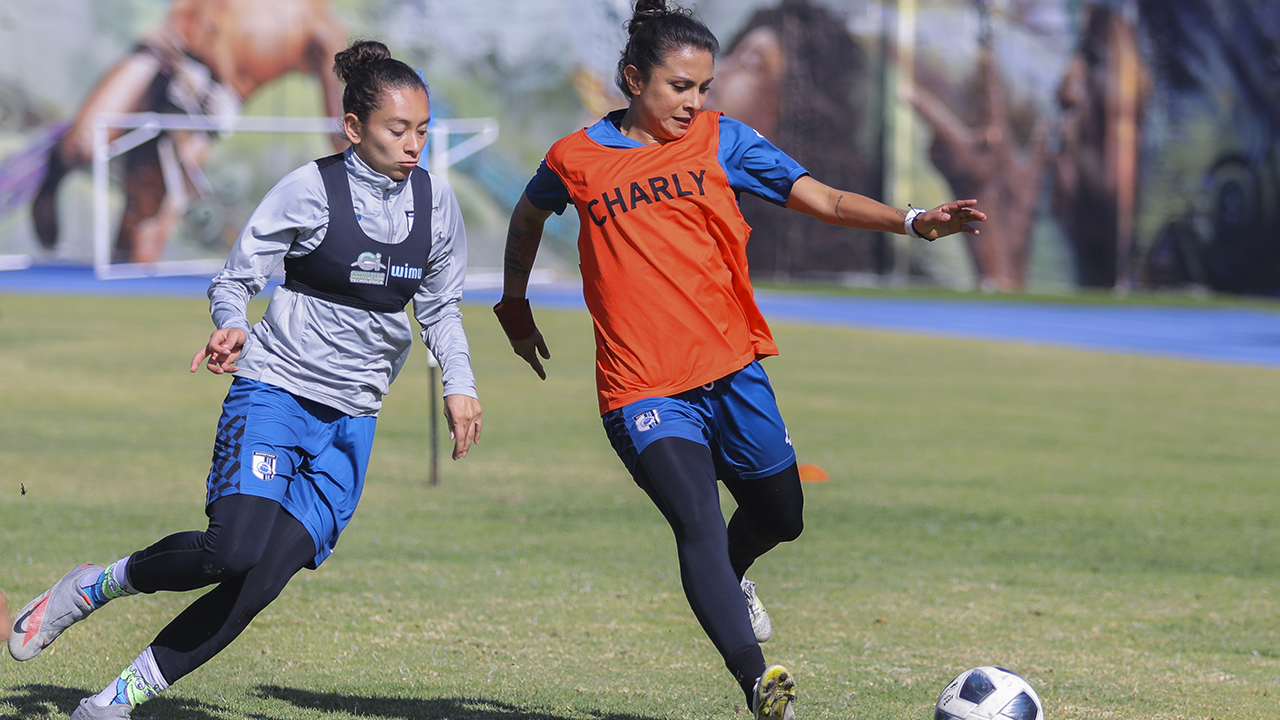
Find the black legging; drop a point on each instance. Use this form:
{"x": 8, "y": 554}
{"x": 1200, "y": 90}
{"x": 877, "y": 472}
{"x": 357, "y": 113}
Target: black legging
{"x": 679, "y": 476}
{"x": 251, "y": 550}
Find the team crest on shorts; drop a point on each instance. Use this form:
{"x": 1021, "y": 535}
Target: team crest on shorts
{"x": 646, "y": 420}
{"x": 264, "y": 466}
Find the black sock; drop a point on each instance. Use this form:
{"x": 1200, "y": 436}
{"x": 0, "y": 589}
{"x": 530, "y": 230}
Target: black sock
{"x": 747, "y": 665}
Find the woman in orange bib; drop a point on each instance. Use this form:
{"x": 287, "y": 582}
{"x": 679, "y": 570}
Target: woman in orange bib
{"x": 662, "y": 246}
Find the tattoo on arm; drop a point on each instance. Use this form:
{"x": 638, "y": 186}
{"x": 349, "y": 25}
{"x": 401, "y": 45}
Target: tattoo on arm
{"x": 838, "y": 206}
{"x": 522, "y": 247}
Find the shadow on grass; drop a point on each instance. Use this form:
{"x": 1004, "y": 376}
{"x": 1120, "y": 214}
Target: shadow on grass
{"x": 395, "y": 708}
{"x": 35, "y": 700}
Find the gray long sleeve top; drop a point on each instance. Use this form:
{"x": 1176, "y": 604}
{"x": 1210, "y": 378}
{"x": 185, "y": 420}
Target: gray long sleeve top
{"x": 341, "y": 356}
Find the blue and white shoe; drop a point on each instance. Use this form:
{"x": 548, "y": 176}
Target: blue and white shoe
{"x": 44, "y": 619}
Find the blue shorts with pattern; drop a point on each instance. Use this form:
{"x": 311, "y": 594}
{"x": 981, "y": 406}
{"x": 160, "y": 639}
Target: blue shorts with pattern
{"x": 306, "y": 456}
{"x": 736, "y": 417}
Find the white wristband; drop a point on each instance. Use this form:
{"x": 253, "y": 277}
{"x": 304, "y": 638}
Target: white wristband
{"x": 909, "y": 223}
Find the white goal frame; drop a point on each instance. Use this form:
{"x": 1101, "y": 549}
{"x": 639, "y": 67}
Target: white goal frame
{"x": 143, "y": 127}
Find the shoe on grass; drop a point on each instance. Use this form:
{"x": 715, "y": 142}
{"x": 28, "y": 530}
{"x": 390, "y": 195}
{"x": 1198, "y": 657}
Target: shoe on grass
{"x": 44, "y": 619}
{"x": 90, "y": 711}
{"x": 774, "y": 695}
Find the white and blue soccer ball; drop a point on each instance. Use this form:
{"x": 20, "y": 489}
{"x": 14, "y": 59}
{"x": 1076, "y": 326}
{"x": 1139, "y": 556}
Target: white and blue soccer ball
{"x": 988, "y": 693}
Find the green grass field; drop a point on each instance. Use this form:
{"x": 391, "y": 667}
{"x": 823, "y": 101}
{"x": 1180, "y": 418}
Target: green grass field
{"x": 1104, "y": 525}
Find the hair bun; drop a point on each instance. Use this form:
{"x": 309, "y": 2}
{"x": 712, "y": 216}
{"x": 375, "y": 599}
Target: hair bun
{"x": 646, "y": 10}
{"x": 361, "y": 53}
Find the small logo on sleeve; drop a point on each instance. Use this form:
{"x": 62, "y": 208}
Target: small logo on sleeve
{"x": 646, "y": 420}
{"x": 264, "y": 466}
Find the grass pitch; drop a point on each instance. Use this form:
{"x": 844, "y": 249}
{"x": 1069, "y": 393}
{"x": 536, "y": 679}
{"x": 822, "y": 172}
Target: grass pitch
{"x": 1104, "y": 525}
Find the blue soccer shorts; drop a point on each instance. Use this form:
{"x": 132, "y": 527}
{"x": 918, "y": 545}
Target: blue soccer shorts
{"x": 736, "y": 417}
{"x": 306, "y": 456}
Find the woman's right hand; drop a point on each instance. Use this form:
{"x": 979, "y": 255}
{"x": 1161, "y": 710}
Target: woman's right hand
{"x": 513, "y": 311}
{"x": 516, "y": 317}
{"x": 222, "y": 350}
{"x": 530, "y": 348}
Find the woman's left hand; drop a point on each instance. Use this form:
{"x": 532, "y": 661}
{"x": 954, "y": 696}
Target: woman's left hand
{"x": 463, "y": 415}
{"x": 949, "y": 219}
{"x": 223, "y": 348}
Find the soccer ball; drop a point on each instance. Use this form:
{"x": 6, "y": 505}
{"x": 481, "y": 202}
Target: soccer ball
{"x": 988, "y": 693}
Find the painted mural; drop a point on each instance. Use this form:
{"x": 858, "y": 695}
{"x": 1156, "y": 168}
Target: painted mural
{"x": 1119, "y": 144}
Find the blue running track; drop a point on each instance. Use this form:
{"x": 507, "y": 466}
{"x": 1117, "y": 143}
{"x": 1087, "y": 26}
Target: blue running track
{"x": 1220, "y": 335}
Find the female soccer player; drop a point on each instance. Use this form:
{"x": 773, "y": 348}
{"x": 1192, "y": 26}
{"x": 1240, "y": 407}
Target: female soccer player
{"x": 360, "y": 234}
{"x": 678, "y": 334}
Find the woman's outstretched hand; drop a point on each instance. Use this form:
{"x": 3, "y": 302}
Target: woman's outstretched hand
{"x": 949, "y": 219}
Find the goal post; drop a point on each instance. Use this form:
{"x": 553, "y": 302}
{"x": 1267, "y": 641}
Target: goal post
{"x": 441, "y": 154}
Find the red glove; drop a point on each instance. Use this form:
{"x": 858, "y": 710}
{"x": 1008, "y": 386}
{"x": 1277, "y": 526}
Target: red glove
{"x": 516, "y": 317}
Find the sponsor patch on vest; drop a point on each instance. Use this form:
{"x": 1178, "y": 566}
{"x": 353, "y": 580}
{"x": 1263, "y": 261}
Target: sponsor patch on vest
{"x": 369, "y": 270}
{"x": 405, "y": 271}
{"x": 646, "y": 420}
{"x": 264, "y": 466}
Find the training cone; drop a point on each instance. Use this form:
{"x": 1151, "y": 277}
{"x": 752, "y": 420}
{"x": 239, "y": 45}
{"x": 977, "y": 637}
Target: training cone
{"x": 812, "y": 473}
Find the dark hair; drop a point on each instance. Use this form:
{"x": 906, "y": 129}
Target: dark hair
{"x": 656, "y": 30}
{"x": 368, "y": 70}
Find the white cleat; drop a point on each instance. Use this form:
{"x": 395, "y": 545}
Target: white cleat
{"x": 759, "y": 618}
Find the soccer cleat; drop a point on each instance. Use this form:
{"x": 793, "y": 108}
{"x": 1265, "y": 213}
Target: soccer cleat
{"x": 44, "y": 619}
{"x": 88, "y": 711}
{"x": 759, "y": 618}
{"x": 775, "y": 692}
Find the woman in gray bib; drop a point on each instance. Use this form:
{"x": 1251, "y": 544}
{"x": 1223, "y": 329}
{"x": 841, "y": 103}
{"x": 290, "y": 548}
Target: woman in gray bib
{"x": 362, "y": 234}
